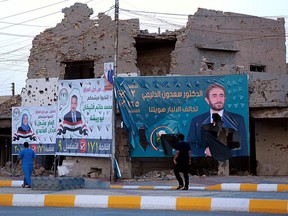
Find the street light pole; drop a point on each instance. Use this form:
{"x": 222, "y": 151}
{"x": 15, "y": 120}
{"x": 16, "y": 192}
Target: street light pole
{"x": 116, "y": 37}
{"x": 13, "y": 89}
{"x": 113, "y": 93}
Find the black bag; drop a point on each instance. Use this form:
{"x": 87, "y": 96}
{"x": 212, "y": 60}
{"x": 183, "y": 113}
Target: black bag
{"x": 169, "y": 141}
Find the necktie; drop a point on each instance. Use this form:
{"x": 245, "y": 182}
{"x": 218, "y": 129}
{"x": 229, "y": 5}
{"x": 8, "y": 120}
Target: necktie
{"x": 74, "y": 117}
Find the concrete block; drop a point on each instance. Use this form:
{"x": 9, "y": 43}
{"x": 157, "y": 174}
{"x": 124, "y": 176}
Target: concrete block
{"x": 57, "y": 183}
{"x": 96, "y": 184}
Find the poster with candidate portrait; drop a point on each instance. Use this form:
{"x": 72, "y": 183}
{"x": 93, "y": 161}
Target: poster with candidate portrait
{"x": 153, "y": 108}
{"x": 35, "y": 125}
{"x": 84, "y": 118}
{"x": 108, "y": 75}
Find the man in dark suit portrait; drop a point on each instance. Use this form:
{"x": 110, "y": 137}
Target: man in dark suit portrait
{"x": 73, "y": 120}
{"x": 110, "y": 74}
{"x": 73, "y": 116}
{"x": 206, "y": 129}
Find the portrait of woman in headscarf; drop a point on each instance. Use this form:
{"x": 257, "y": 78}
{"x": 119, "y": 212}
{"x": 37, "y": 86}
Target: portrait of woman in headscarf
{"x": 24, "y": 124}
{"x": 24, "y": 131}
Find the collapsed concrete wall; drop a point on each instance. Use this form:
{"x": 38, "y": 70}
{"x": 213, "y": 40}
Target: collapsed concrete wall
{"x": 213, "y": 43}
{"x": 5, "y": 127}
{"x": 40, "y": 92}
{"x": 229, "y": 39}
{"x": 272, "y": 147}
{"x": 216, "y": 42}
{"x": 79, "y": 38}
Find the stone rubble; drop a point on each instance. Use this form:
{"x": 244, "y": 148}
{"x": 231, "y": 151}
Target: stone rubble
{"x": 9, "y": 170}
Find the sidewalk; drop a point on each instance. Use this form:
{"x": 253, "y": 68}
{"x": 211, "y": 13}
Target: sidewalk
{"x": 279, "y": 184}
{"x": 229, "y": 193}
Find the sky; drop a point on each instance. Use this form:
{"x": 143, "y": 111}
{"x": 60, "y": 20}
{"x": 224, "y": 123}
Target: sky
{"x": 22, "y": 20}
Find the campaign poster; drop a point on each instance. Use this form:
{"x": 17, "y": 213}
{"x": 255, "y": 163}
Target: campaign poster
{"x": 153, "y": 108}
{"x": 36, "y": 125}
{"x": 109, "y": 75}
{"x": 84, "y": 118}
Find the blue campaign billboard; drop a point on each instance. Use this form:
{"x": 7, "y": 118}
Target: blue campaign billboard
{"x": 200, "y": 107}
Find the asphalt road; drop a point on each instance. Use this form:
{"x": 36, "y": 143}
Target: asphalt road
{"x": 226, "y": 199}
{"x": 28, "y": 211}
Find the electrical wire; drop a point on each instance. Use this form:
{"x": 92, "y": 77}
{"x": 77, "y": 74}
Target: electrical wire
{"x": 151, "y": 21}
{"x": 25, "y": 60}
{"x": 29, "y": 11}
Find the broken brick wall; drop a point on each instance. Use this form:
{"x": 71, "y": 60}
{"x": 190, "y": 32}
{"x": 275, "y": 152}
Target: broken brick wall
{"x": 79, "y": 38}
{"x": 209, "y": 37}
{"x": 231, "y": 40}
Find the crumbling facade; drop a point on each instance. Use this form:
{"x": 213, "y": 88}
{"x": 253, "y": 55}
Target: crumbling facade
{"x": 229, "y": 43}
{"x": 77, "y": 39}
{"x": 213, "y": 43}
{"x": 5, "y": 127}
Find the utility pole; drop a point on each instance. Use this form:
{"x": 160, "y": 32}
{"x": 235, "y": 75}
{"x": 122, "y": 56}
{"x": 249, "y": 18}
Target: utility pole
{"x": 13, "y": 89}
{"x": 116, "y": 18}
{"x": 116, "y": 37}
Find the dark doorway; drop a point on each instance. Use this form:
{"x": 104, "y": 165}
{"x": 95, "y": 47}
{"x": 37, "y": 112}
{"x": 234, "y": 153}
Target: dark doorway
{"x": 79, "y": 70}
{"x": 5, "y": 148}
{"x": 154, "y": 55}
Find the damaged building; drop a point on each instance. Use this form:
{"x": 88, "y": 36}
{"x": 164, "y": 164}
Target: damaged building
{"x": 212, "y": 43}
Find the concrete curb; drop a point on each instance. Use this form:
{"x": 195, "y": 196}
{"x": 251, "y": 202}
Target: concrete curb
{"x": 162, "y": 187}
{"x": 147, "y": 202}
{"x": 219, "y": 187}
{"x": 11, "y": 183}
{"x": 249, "y": 187}
{"x": 87, "y": 185}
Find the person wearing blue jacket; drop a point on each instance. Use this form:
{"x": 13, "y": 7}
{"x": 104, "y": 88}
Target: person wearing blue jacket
{"x": 27, "y": 157}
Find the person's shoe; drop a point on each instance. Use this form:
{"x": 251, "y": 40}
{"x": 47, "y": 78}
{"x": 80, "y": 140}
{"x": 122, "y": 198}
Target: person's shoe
{"x": 184, "y": 188}
{"x": 180, "y": 187}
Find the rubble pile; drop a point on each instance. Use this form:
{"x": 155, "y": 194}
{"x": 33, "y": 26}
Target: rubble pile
{"x": 164, "y": 175}
{"x": 10, "y": 170}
